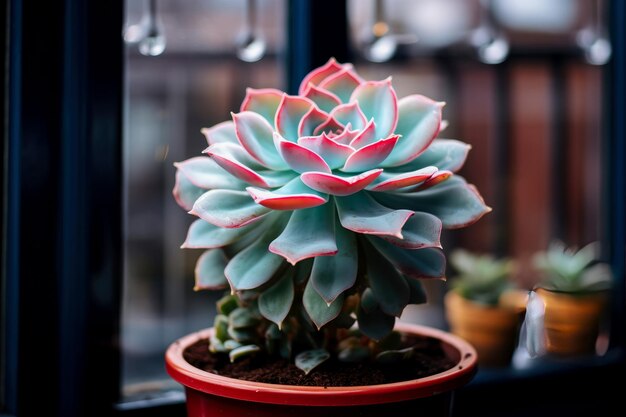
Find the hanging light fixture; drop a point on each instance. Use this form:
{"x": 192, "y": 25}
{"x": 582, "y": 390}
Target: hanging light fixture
{"x": 488, "y": 39}
{"x": 251, "y": 45}
{"x": 593, "y": 38}
{"x": 381, "y": 44}
{"x": 148, "y": 34}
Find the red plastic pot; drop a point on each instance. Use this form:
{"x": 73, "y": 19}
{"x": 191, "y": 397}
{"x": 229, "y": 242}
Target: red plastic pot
{"x": 210, "y": 395}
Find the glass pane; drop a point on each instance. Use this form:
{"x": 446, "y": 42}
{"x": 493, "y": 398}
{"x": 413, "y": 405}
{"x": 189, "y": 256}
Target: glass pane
{"x": 195, "y": 82}
{"x": 534, "y": 122}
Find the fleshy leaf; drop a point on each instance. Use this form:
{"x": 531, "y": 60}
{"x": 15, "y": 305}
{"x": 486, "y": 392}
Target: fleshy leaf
{"x": 311, "y": 359}
{"x": 373, "y": 322}
{"x": 332, "y": 275}
{"x": 339, "y": 185}
{"x": 241, "y": 318}
{"x": 205, "y": 173}
{"x": 234, "y": 159}
{"x": 303, "y": 271}
{"x": 354, "y": 354}
{"x": 333, "y": 152}
{"x": 349, "y": 113}
{"x": 362, "y": 214}
{"x": 256, "y": 136}
{"x": 388, "y": 286}
{"x": 209, "y": 272}
{"x": 289, "y": 114}
{"x": 366, "y": 136}
{"x": 394, "y": 181}
{"x": 301, "y": 159}
{"x": 242, "y": 352}
{"x": 264, "y": 101}
{"x": 436, "y": 178}
{"x": 416, "y": 263}
{"x": 342, "y": 83}
{"x": 221, "y": 132}
{"x": 330, "y": 126}
{"x": 319, "y": 74}
{"x": 202, "y": 234}
{"x": 370, "y": 156}
{"x": 318, "y": 310}
{"x": 255, "y": 265}
{"x": 310, "y": 121}
{"x": 445, "y": 154}
{"x": 184, "y": 192}
{"x": 346, "y": 136}
{"x": 309, "y": 233}
{"x": 228, "y": 208}
{"x": 455, "y": 202}
{"x": 368, "y": 302}
{"x": 422, "y": 230}
{"x": 378, "y": 101}
{"x": 292, "y": 196}
{"x": 324, "y": 99}
{"x": 418, "y": 123}
{"x": 389, "y": 357}
{"x": 275, "y": 302}
{"x": 417, "y": 292}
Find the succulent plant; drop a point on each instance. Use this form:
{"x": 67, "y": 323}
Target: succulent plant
{"x": 481, "y": 278}
{"x": 326, "y": 207}
{"x": 572, "y": 270}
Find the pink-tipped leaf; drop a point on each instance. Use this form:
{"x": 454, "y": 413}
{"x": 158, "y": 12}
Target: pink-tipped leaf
{"x": 300, "y": 158}
{"x": 292, "y": 196}
{"x": 324, "y": 99}
{"x": 309, "y": 233}
{"x": 319, "y": 74}
{"x": 342, "y": 83}
{"x": 370, "y": 156}
{"x": 362, "y": 214}
{"x": 228, "y": 208}
{"x": 378, "y": 101}
{"x": 221, "y": 132}
{"x": 310, "y": 121}
{"x": 332, "y": 151}
{"x": 349, "y": 113}
{"x": 256, "y": 136}
{"x": 390, "y": 181}
{"x": 339, "y": 185}
{"x": 264, "y": 101}
{"x": 419, "y": 120}
{"x": 455, "y": 202}
{"x": 290, "y": 111}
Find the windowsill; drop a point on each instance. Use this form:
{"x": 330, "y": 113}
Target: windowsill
{"x": 545, "y": 366}
{"x": 546, "y": 387}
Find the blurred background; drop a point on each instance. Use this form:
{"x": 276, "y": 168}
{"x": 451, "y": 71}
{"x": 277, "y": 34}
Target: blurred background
{"x": 524, "y": 82}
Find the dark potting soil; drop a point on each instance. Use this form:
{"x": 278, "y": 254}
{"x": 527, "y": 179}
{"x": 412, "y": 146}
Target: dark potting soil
{"x": 429, "y": 359}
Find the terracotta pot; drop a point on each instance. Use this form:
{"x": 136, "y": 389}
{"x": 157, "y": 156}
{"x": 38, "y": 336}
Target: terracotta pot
{"x": 491, "y": 330}
{"x": 572, "y": 321}
{"x": 210, "y": 395}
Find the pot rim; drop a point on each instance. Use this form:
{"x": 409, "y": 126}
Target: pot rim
{"x": 460, "y": 374}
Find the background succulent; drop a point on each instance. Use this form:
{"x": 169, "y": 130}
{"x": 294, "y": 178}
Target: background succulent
{"x": 326, "y": 207}
{"x": 568, "y": 269}
{"x": 481, "y": 278}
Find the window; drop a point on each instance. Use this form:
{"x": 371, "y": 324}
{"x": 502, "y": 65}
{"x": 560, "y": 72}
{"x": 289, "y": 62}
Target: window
{"x": 93, "y": 277}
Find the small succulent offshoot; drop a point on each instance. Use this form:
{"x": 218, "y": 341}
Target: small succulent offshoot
{"x": 322, "y": 209}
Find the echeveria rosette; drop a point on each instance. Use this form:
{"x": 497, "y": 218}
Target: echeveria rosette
{"x": 339, "y": 190}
